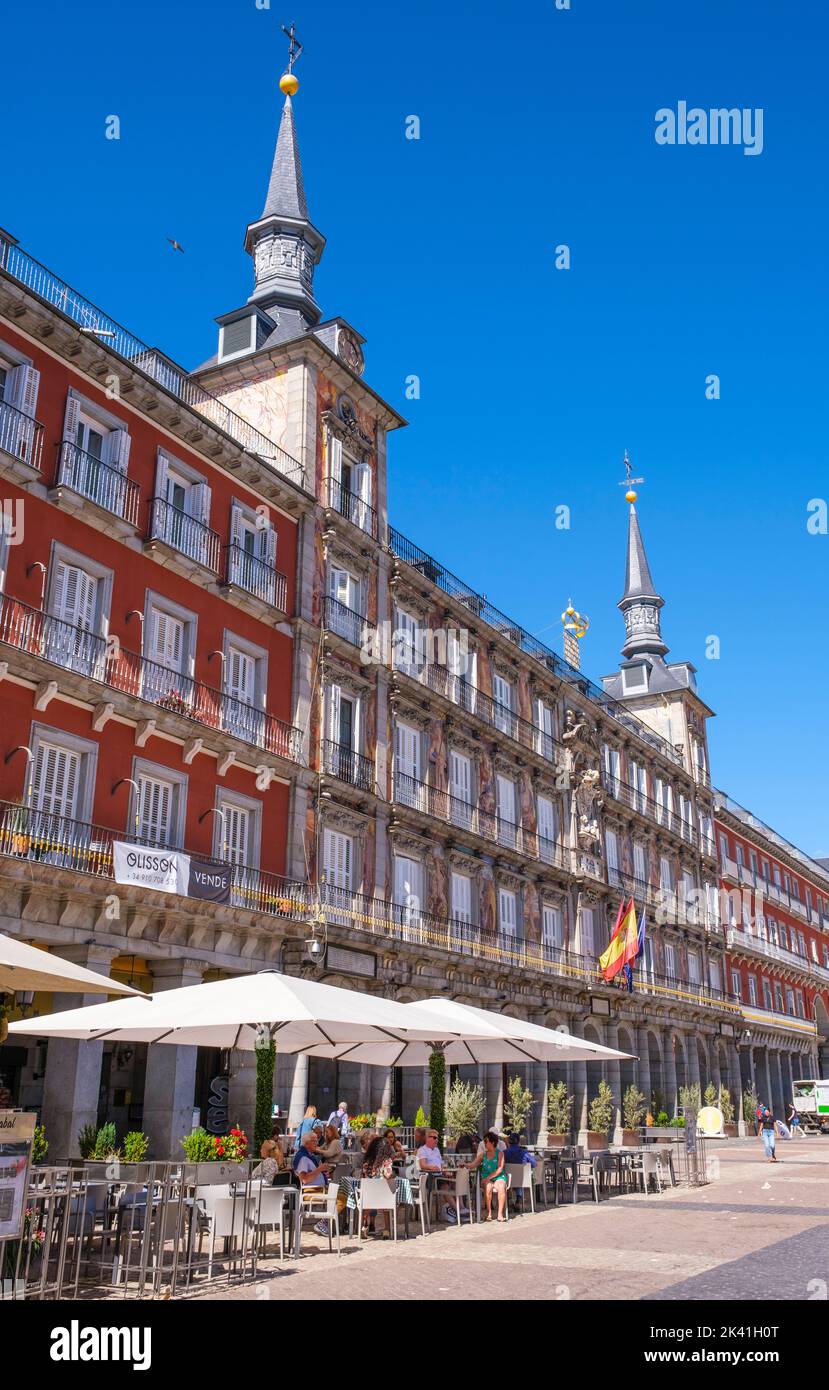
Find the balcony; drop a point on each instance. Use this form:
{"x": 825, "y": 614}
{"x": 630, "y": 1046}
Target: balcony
{"x": 255, "y": 577}
{"x": 93, "y": 481}
{"x": 46, "y": 286}
{"x": 183, "y": 535}
{"x": 480, "y": 606}
{"x": 111, "y": 666}
{"x": 458, "y": 690}
{"x": 761, "y": 946}
{"x": 347, "y": 765}
{"x": 61, "y": 843}
{"x": 664, "y": 904}
{"x": 773, "y": 1019}
{"x": 21, "y": 437}
{"x": 729, "y": 869}
{"x": 346, "y": 623}
{"x": 637, "y": 800}
{"x": 352, "y": 507}
{"x": 452, "y": 810}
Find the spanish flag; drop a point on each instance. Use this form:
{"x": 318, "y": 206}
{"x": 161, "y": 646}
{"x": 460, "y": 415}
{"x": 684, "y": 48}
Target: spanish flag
{"x": 624, "y": 942}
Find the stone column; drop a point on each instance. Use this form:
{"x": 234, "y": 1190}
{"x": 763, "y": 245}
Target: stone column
{"x": 689, "y": 1042}
{"x": 643, "y": 1071}
{"x": 170, "y": 1081}
{"x": 613, "y": 1076}
{"x": 299, "y": 1090}
{"x": 494, "y": 1096}
{"x": 735, "y": 1085}
{"x": 669, "y": 1069}
{"x": 767, "y": 1073}
{"x": 73, "y": 1067}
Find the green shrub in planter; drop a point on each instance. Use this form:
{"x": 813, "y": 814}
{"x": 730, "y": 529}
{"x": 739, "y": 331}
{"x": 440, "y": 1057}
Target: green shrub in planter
{"x": 633, "y": 1108}
{"x": 86, "y": 1141}
{"x": 199, "y": 1147}
{"x": 662, "y": 1119}
{"x": 420, "y": 1118}
{"x": 559, "y": 1108}
{"x": 600, "y": 1113}
{"x": 136, "y": 1145}
{"x": 678, "y": 1122}
{"x": 710, "y": 1094}
{"x": 726, "y": 1106}
{"x": 105, "y": 1143}
{"x": 40, "y": 1145}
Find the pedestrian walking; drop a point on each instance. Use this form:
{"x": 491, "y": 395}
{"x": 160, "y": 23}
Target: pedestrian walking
{"x": 795, "y": 1126}
{"x": 768, "y": 1135}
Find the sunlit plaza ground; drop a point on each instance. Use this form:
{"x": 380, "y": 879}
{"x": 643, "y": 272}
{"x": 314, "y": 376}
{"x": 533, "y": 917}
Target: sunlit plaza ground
{"x": 756, "y": 1231}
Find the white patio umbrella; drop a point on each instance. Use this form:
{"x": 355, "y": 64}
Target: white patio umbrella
{"x": 24, "y": 967}
{"x": 484, "y": 1037}
{"x": 299, "y": 1015}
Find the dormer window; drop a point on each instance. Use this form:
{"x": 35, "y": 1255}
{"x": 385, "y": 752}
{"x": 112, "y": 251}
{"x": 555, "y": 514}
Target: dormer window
{"x": 634, "y": 678}
{"x": 237, "y": 338}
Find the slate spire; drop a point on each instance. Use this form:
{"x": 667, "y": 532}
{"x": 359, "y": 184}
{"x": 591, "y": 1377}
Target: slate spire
{"x": 640, "y": 603}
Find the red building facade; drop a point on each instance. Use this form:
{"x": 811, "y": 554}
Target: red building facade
{"x": 774, "y": 905}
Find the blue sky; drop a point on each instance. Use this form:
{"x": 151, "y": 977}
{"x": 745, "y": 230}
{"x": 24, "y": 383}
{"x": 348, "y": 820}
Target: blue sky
{"x": 537, "y": 128}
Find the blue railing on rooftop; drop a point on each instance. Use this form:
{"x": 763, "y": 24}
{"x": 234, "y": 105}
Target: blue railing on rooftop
{"x": 479, "y": 605}
{"x": 49, "y": 287}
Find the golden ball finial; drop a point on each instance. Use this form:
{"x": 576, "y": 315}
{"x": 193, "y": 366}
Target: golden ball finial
{"x": 288, "y": 84}
{"x": 630, "y": 495}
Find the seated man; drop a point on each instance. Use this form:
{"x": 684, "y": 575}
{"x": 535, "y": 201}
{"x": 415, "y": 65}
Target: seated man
{"x": 312, "y": 1175}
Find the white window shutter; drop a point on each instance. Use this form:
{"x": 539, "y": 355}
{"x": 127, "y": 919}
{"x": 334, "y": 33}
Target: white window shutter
{"x": 335, "y": 458}
{"x": 155, "y": 804}
{"x": 161, "y": 474}
{"x": 236, "y": 536}
{"x": 266, "y": 537}
{"x": 24, "y": 384}
{"x": 546, "y": 819}
{"x": 71, "y": 418}
{"x": 202, "y": 494}
{"x": 118, "y": 450}
{"x": 337, "y": 858}
{"x": 56, "y": 779}
{"x": 237, "y": 827}
{"x": 462, "y": 898}
{"x": 460, "y": 772}
{"x": 240, "y": 675}
{"x": 334, "y": 700}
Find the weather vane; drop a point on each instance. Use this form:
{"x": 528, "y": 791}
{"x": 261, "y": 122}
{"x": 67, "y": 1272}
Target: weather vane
{"x": 629, "y": 482}
{"x": 575, "y": 626}
{"x": 287, "y": 82}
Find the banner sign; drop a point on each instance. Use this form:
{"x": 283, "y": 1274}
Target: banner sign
{"x": 16, "y": 1134}
{"x": 167, "y": 871}
{"x": 210, "y": 881}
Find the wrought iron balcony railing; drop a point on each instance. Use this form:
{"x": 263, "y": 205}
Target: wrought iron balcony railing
{"x": 637, "y": 800}
{"x": 183, "y": 533}
{"x": 256, "y": 577}
{"x": 488, "y": 825}
{"x": 757, "y": 944}
{"x": 41, "y": 282}
{"x": 346, "y": 623}
{"x": 102, "y": 484}
{"x": 347, "y": 765}
{"x": 480, "y": 606}
{"x": 20, "y": 435}
{"x": 480, "y": 705}
{"x": 352, "y": 507}
{"x": 61, "y": 842}
{"x": 109, "y": 664}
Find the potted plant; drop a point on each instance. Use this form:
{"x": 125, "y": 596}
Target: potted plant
{"x": 633, "y": 1114}
{"x": 40, "y": 1145}
{"x": 104, "y": 1153}
{"x": 518, "y": 1105}
{"x": 559, "y": 1115}
{"x": 464, "y": 1107}
{"x": 136, "y": 1145}
{"x": 419, "y": 1119}
{"x": 709, "y": 1095}
{"x": 728, "y": 1114}
{"x": 600, "y": 1118}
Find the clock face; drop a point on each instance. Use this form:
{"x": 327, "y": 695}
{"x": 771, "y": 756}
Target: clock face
{"x": 349, "y": 350}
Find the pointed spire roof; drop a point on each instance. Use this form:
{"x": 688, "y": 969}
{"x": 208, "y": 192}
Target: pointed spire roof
{"x": 286, "y": 192}
{"x": 640, "y": 603}
{"x": 638, "y": 581}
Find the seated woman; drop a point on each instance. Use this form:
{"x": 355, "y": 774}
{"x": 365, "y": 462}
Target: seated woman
{"x": 272, "y": 1148}
{"x": 391, "y": 1137}
{"x": 378, "y": 1164}
{"x": 274, "y": 1165}
{"x": 491, "y": 1164}
{"x": 331, "y": 1149}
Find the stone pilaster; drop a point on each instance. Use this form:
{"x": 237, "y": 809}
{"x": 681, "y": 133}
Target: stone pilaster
{"x": 170, "y": 1081}
{"x": 73, "y": 1066}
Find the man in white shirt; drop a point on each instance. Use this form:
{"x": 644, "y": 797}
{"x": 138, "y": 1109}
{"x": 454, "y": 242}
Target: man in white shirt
{"x": 429, "y": 1158}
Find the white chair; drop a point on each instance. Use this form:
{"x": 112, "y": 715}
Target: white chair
{"x": 420, "y": 1198}
{"x": 375, "y": 1194}
{"x": 269, "y": 1212}
{"x": 650, "y": 1167}
{"x": 521, "y": 1178}
{"x": 327, "y": 1213}
{"x": 454, "y": 1194}
{"x": 226, "y": 1216}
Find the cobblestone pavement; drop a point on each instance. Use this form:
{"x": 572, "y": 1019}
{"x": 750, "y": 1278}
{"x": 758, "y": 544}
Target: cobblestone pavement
{"x": 757, "y": 1231}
